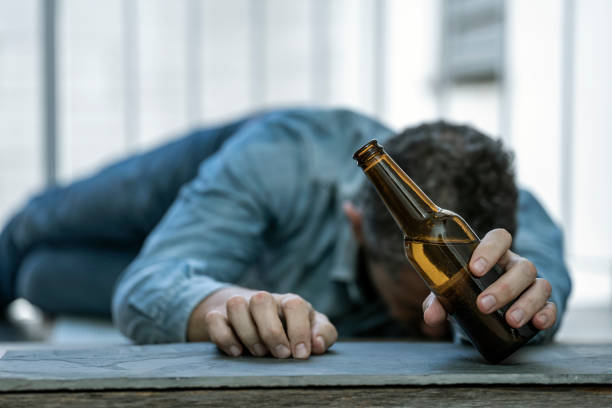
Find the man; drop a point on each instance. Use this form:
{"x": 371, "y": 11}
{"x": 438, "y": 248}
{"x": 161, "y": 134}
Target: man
{"x": 263, "y": 250}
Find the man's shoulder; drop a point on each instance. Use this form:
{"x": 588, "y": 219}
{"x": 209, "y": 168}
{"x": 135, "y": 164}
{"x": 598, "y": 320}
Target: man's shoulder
{"x": 320, "y": 131}
{"x": 334, "y": 121}
{"x": 314, "y": 114}
{"x": 313, "y": 144}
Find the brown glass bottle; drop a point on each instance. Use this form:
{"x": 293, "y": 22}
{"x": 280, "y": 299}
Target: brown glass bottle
{"x": 439, "y": 244}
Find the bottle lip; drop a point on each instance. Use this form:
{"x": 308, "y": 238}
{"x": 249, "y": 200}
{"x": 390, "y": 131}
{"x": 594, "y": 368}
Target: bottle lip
{"x": 367, "y": 150}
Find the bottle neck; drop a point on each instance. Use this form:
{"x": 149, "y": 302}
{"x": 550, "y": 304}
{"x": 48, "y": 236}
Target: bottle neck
{"x": 405, "y": 200}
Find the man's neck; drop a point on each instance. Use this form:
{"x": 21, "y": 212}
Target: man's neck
{"x": 365, "y": 284}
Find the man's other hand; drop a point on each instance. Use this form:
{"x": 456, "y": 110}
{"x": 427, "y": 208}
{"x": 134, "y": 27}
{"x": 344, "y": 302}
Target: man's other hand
{"x": 518, "y": 285}
{"x": 283, "y": 325}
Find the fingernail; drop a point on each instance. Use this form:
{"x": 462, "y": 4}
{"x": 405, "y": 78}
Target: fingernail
{"x": 542, "y": 319}
{"x": 234, "y": 351}
{"x": 259, "y": 349}
{"x": 428, "y": 303}
{"x": 300, "y": 351}
{"x": 488, "y": 303}
{"x": 282, "y": 351}
{"x": 320, "y": 342}
{"x": 517, "y": 316}
{"x": 479, "y": 266}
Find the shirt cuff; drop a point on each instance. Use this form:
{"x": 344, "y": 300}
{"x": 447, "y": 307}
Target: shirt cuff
{"x": 157, "y": 310}
{"x": 188, "y": 295}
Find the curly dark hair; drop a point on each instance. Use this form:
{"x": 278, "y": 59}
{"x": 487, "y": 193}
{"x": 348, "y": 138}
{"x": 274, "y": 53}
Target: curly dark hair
{"x": 459, "y": 168}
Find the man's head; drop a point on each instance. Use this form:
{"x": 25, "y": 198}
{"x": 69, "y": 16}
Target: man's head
{"x": 461, "y": 170}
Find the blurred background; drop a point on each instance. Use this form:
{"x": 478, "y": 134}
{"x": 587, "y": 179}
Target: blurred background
{"x": 86, "y": 82}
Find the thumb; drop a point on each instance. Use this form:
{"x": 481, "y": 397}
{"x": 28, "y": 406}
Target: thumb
{"x": 433, "y": 312}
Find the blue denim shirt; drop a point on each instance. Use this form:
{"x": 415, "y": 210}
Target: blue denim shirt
{"x": 265, "y": 212}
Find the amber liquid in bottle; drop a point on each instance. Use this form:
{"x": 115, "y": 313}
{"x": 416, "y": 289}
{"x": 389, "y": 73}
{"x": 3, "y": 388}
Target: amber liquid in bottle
{"x": 439, "y": 245}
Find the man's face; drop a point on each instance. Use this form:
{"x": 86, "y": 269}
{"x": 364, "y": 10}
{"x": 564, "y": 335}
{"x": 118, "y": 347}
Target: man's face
{"x": 403, "y": 291}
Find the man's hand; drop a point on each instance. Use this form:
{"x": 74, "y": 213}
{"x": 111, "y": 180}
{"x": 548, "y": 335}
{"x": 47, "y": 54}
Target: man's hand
{"x": 520, "y": 278}
{"x": 284, "y": 325}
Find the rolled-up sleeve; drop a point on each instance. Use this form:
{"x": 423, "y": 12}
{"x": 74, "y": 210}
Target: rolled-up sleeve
{"x": 212, "y": 234}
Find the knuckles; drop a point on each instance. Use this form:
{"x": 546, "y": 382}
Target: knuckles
{"x": 529, "y": 268}
{"x": 221, "y": 339}
{"x": 324, "y": 327}
{"x": 216, "y": 333}
{"x": 261, "y": 298}
{"x": 236, "y": 302}
{"x": 553, "y": 310}
{"x": 271, "y": 334}
{"x": 503, "y": 234}
{"x": 212, "y": 317}
{"x": 332, "y": 330}
{"x": 547, "y": 287}
{"x": 498, "y": 234}
{"x": 293, "y": 302}
{"x": 503, "y": 289}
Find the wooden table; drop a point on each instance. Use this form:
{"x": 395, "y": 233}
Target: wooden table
{"x": 351, "y": 374}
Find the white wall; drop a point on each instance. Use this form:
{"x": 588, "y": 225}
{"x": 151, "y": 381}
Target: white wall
{"x": 591, "y": 239}
{"x": 20, "y": 103}
{"x": 89, "y": 85}
{"x": 411, "y": 65}
{"x": 536, "y": 112}
{"x": 133, "y": 74}
{"x": 226, "y": 66}
{"x": 479, "y": 105}
{"x": 534, "y": 47}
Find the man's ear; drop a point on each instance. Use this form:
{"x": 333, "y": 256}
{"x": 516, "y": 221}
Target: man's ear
{"x": 355, "y": 217}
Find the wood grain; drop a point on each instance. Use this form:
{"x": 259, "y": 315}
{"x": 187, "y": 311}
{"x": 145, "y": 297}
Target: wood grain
{"x": 499, "y": 397}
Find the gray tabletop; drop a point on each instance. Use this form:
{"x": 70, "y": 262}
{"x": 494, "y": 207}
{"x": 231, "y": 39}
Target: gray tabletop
{"x": 201, "y": 365}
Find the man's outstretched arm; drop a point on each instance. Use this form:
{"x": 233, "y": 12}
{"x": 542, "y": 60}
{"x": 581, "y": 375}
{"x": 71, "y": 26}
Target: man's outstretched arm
{"x": 182, "y": 285}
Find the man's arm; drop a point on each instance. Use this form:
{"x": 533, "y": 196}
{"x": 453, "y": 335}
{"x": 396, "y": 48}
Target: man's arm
{"x": 180, "y": 286}
{"x": 540, "y": 240}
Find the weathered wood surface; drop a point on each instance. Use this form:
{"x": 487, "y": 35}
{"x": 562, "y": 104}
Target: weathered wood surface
{"x": 431, "y": 397}
{"x": 175, "y": 366}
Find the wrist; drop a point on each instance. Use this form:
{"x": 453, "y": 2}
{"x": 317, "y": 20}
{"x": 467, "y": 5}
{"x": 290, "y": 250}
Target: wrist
{"x": 196, "y": 327}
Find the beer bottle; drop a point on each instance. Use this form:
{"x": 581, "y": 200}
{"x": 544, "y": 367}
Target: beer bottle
{"x": 439, "y": 244}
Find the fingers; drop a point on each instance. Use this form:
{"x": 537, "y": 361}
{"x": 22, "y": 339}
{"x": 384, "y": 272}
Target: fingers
{"x": 264, "y": 311}
{"x": 254, "y": 322}
{"x": 297, "y": 314}
{"x": 519, "y": 282}
{"x": 494, "y": 248}
{"x": 533, "y": 300}
{"x": 324, "y": 333}
{"x": 520, "y": 275}
{"x": 221, "y": 333}
{"x": 546, "y": 317}
{"x": 433, "y": 312}
{"x": 240, "y": 319}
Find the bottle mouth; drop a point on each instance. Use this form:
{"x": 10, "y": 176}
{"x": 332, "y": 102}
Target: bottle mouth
{"x": 368, "y": 150}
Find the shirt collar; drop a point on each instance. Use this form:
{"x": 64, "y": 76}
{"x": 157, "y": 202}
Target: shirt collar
{"x": 345, "y": 262}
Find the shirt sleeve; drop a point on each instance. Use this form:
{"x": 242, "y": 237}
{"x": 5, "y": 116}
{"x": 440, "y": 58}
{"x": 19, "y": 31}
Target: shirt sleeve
{"x": 212, "y": 233}
{"x": 540, "y": 240}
